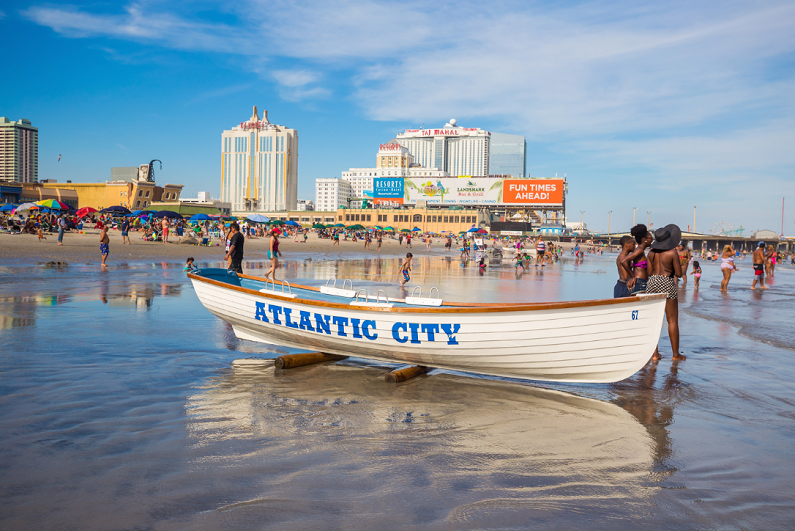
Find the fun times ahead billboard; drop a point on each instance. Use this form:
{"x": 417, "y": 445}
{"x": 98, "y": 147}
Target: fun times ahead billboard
{"x": 482, "y": 191}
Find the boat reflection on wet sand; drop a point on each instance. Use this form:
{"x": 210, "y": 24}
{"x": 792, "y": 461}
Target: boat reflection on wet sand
{"x": 517, "y": 452}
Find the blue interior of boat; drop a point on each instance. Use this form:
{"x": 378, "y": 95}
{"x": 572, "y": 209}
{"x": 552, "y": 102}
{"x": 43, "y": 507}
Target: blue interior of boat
{"x": 229, "y": 277}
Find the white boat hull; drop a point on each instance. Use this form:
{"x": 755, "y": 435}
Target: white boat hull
{"x": 601, "y": 342}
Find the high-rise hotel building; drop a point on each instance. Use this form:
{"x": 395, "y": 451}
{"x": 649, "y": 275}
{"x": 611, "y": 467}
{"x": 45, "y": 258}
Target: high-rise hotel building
{"x": 19, "y": 151}
{"x": 452, "y": 149}
{"x": 259, "y": 166}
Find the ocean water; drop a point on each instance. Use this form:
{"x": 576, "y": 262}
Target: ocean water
{"x": 122, "y": 407}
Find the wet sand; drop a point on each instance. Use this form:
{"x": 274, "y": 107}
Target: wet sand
{"x": 84, "y": 248}
{"x": 122, "y": 407}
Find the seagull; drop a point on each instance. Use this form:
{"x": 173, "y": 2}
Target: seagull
{"x": 59, "y": 158}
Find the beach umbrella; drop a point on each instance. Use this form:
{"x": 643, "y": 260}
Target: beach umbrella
{"x": 200, "y": 217}
{"x": 318, "y": 226}
{"x": 355, "y": 227}
{"x": 85, "y": 211}
{"x": 170, "y": 214}
{"x": 116, "y": 209}
{"x": 340, "y": 225}
{"x": 482, "y": 231}
{"x": 416, "y": 229}
{"x": 473, "y": 229}
{"x": 293, "y": 223}
{"x": 277, "y": 222}
{"x": 389, "y": 229}
{"x": 6, "y": 208}
{"x": 258, "y": 218}
{"x": 26, "y": 206}
{"x": 377, "y": 228}
{"x": 405, "y": 230}
{"x": 53, "y": 204}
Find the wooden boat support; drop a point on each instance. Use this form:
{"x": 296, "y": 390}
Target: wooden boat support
{"x": 401, "y": 375}
{"x": 291, "y": 361}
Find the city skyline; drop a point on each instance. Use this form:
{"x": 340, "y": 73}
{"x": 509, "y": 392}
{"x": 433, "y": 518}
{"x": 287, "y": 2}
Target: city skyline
{"x": 655, "y": 107}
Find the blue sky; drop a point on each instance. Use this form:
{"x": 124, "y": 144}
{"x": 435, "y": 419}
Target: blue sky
{"x": 659, "y": 106}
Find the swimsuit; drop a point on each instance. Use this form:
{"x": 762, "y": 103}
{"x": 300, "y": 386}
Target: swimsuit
{"x": 683, "y": 260}
{"x": 103, "y": 248}
{"x": 406, "y": 275}
{"x": 697, "y": 273}
{"x": 661, "y": 284}
{"x": 759, "y": 270}
{"x": 727, "y": 263}
{"x": 642, "y": 265}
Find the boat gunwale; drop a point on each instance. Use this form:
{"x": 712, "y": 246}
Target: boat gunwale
{"x": 448, "y": 307}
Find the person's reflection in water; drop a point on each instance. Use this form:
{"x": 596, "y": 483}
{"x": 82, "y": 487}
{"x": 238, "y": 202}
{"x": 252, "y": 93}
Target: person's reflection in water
{"x": 653, "y": 408}
{"x": 103, "y": 289}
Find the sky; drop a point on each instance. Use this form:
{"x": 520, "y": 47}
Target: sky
{"x": 658, "y": 107}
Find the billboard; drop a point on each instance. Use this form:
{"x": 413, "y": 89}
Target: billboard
{"x": 483, "y": 191}
{"x": 388, "y": 190}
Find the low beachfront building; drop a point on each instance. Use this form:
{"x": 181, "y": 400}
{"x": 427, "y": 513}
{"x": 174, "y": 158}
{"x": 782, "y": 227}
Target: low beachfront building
{"x": 436, "y": 220}
{"x": 129, "y": 187}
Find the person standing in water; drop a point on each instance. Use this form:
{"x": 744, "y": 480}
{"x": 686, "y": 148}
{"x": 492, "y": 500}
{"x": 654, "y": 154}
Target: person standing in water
{"x": 541, "y": 248}
{"x": 727, "y": 267}
{"x": 664, "y": 267}
{"x": 696, "y": 273}
{"x": 637, "y": 260}
{"x": 620, "y": 289}
{"x": 405, "y": 267}
{"x": 104, "y": 245}
{"x": 273, "y": 254}
{"x": 759, "y": 266}
{"x": 684, "y": 259}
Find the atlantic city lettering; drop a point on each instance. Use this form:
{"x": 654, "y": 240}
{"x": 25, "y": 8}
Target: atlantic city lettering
{"x": 413, "y": 333}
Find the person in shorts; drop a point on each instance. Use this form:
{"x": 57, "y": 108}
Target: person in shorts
{"x": 405, "y": 267}
{"x": 125, "y": 232}
{"x": 104, "y": 245}
{"x": 541, "y": 248}
{"x": 235, "y": 252}
{"x": 759, "y": 266}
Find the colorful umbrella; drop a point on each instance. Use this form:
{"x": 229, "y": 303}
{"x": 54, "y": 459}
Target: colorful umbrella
{"x": 84, "y": 211}
{"x": 26, "y": 206}
{"x": 53, "y": 203}
{"x": 389, "y": 229}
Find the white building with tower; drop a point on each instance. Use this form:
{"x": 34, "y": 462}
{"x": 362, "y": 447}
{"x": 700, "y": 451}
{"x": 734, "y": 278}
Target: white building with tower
{"x": 452, "y": 149}
{"x": 259, "y": 166}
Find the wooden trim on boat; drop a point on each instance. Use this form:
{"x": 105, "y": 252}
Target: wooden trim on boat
{"x": 464, "y": 308}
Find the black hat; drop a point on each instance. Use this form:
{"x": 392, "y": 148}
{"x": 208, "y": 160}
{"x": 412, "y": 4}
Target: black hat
{"x": 667, "y": 238}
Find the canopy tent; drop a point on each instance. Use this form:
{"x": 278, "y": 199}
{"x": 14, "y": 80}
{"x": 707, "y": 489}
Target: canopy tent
{"x": 258, "y": 218}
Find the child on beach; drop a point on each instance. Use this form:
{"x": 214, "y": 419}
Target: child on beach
{"x": 189, "y": 265}
{"x": 696, "y": 272}
{"x": 405, "y": 267}
{"x": 40, "y": 234}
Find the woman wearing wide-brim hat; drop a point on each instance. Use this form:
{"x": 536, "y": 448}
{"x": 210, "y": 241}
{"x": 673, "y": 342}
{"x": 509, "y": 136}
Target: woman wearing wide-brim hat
{"x": 664, "y": 268}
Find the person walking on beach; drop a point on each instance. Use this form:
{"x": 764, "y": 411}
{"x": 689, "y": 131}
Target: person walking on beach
{"x": 336, "y": 239}
{"x": 428, "y": 243}
{"x": 125, "y": 231}
{"x": 104, "y": 245}
{"x": 234, "y": 255}
{"x": 664, "y": 267}
{"x": 759, "y": 266}
{"x": 624, "y": 274}
{"x": 541, "y": 248}
{"x": 727, "y": 267}
{"x": 771, "y": 256}
{"x": 61, "y": 228}
{"x": 408, "y": 240}
{"x": 400, "y": 239}
{"x": 273, "y": 254}
{"x": 405, "y": 267}
{"x": 378, "y": 241}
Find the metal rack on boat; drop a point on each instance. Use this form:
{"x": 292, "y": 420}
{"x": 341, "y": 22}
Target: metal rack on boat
{"x": 340, "y": 292}
{"x": 289, "y": 294}
{"x": 424, "y": 301}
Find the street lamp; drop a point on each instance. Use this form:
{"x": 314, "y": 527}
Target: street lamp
{"x": 648, "y": 218}
{"x": 608, "y": 226}
{"x": 581, "y": 228}
{"x": 694, "y": 219}
{"x": 633, "y": 215}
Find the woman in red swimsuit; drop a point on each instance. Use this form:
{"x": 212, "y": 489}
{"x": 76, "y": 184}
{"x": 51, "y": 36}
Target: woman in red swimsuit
{"x": 273, "y": 254}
